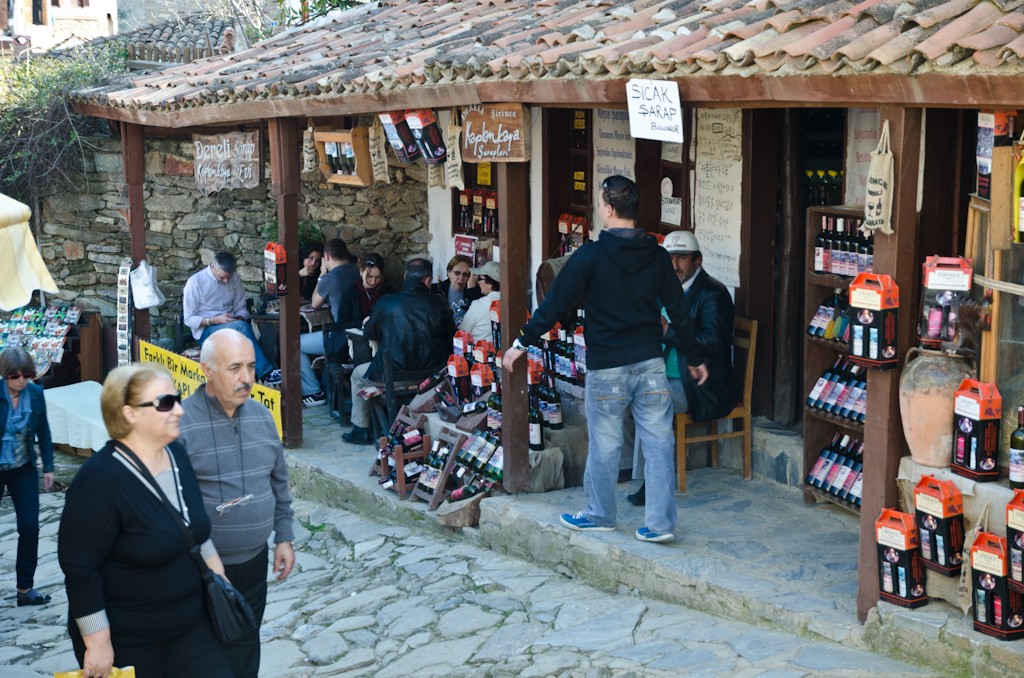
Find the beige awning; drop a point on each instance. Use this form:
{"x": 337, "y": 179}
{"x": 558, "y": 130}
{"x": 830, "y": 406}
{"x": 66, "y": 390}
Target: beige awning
{"x": 22, "y": 269}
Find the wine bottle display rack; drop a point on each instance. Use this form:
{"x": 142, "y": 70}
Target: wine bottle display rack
{"x": 355, "y": 168}
{"x": 820, "y": 354}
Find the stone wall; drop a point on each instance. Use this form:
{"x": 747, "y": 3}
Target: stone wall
{"x": 84, "y": 235}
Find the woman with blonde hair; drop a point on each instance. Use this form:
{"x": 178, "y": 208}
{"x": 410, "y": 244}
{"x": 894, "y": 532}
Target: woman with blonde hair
{"x": 135, "y": 595}
{"x": 23, "y": 427}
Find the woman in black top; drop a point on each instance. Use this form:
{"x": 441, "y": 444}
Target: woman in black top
{"x": 310, "y": 256}
{"x": 134, "y": 591}
{"x": 22, "y": 425}
{"x": 359, "y": 299}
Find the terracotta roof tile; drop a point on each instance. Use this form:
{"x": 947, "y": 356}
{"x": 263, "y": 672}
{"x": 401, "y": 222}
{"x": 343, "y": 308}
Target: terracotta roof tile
{"x": 417, "y": 43}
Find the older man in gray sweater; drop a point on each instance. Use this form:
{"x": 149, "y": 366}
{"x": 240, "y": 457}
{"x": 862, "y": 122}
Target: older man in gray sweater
{"x": 237, "y": 455}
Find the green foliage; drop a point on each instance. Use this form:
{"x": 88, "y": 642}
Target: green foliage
{"x": 40, "y": 145}
{"x": 307, "y": 233}
{"x": 314, "y": 10}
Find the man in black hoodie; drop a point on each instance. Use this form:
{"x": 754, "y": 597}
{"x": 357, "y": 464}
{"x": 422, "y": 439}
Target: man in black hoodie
{"x": 625, "y": 279}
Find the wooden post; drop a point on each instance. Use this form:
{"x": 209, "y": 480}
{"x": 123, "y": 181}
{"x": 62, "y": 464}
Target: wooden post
{"x": 755, "y": 297}
{"x": 788, "y": 322}
{"x": 884, "y": 444}
{"x": 514, "y": 241}
{"x": 134, "y": 165}
{"x": 284, "y": 168}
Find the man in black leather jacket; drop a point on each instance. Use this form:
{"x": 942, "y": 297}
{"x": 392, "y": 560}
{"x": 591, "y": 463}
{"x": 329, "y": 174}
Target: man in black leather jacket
{"x": 418, "y": 329}
{"x": 712, "y": 310}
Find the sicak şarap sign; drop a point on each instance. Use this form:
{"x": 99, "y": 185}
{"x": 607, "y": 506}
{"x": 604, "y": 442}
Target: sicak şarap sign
{"x": 226, "y": 161}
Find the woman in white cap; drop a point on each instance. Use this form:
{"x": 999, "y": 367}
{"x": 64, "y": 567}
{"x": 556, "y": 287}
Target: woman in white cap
{"x": 477, "y": 320}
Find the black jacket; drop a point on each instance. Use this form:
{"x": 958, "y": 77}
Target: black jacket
{"x": 349, "y": 315}
{"x": 713, "y": 312}
{"x": 38, "y": 429}
{"x": 621, "y": 280}
{"x": 419, "y": 328}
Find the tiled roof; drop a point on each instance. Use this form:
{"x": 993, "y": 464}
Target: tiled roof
{"x": 175, "y": 41}
{"x": 401, "y": 44}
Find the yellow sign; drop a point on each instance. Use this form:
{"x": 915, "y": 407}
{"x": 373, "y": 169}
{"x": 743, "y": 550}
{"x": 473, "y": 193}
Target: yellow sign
{"x": 483, "y": 173}
{"x": 188, "y": 376}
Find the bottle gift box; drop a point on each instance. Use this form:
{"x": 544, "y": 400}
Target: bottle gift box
{"x": 1015, "y": 541}
{"x": 946, "y": 281}
{"x": 900, "y": 573}
{"x": 997, "y": 608}
{"x": 939, "y": 508}
{"x": 977, "y": 409}
{"x": 874, "y": 305}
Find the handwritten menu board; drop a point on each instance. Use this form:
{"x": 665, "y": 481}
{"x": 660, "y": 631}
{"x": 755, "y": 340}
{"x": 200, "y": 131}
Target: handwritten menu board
{"x": 862, "y": 126}
{"x": 614, "y": 151}
{"x": 718, "y": 192}
{"x": 226, "y": 161}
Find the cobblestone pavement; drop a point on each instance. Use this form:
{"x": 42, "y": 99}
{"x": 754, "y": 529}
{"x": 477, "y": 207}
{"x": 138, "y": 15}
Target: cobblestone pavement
{"x": 375, "y": 600}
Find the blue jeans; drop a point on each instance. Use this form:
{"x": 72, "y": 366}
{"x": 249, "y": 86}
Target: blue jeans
{"x": 263, "y": 366}
{"x": 310, "y": 344}
{"x": 644, "y": 387}
{"x": 23, "y": 485}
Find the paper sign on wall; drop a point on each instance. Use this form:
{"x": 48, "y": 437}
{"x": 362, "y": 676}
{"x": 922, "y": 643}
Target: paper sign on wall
{"x": 654, "y": 110}
{"x": 862, "y": 126}
{"x": 453, "y": 166}
{"x": 379, "y": 153}
{"x": 718, "y": 192}
{"x": 466, "y": 245}
{"x": 614, "y": 151}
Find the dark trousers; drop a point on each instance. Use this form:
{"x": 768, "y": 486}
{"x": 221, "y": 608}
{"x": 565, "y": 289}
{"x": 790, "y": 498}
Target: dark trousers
{"x": 196, "y": 653}
{"x": 23, "y": 485}
{"x": 250, "y": 578}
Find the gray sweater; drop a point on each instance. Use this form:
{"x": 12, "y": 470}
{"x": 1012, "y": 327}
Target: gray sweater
{"x": 233, "y": 457}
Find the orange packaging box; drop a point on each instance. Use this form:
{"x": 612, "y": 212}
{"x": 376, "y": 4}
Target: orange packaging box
{"x": 939, "y": 508}
{"x": 482, "y": 351}
{"x": 462, "y": 342}
{"x": 945, "y": 281}
{"x": 1015, "y": 540}
{"x": 997, "y": 607}
{"x": 274, "y": 270}
{"x": 481, "y": 376}
{"x": 900, "y": 573}
{"x": 874, "y": 305}
{"x": 977, "y": 409}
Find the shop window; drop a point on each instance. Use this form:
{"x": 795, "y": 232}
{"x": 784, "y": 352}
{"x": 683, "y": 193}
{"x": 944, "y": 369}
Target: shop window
{"x": 475, "y": 210}
{"x": 568, "y": 176}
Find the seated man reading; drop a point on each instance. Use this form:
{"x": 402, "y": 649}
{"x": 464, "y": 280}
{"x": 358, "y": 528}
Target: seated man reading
{"x": 417, "y": 328}
{"x": 712, "y": 310}
{"x": 214, "y": 299}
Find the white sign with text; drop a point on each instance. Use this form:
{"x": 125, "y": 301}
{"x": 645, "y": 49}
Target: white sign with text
{"x": 717, "y": 196}
{"x": 654, "y": 110}
{"x": 614, "y": 152}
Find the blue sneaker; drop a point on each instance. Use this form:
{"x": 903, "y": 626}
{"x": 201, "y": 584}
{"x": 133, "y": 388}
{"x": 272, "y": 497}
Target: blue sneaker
{"x": 578, "y": 522}
{"x": 645, "y": 534}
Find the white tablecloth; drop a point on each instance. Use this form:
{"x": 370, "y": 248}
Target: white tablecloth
{"x": 74, "y": 415}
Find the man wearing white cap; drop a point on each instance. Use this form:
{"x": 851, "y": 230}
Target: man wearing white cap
{"x": 712, "y": 310}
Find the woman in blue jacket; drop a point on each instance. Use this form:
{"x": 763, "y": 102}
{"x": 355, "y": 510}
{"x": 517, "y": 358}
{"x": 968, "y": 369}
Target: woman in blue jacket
{"x": 23, "y": 427}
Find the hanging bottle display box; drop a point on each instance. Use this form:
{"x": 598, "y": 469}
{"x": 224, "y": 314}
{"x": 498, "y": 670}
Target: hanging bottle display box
{"x": 345, "y": 156}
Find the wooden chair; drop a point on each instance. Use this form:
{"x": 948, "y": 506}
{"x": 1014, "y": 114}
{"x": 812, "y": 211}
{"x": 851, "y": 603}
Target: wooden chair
{"x": 741, "y": 411}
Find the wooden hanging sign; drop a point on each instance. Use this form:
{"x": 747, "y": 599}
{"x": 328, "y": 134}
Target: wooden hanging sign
{"x": 226, "y": 161}
{"x": 496, "y": 133}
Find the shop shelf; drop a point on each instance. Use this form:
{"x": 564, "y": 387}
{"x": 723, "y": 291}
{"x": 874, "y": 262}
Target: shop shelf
{"x": 831, "y": 498}
{"x": 837, "y": 346}
{"x": 838, "y": 421}
{"x": 838, "y": 282}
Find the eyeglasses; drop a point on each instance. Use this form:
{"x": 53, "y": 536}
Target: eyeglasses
{"x": 12, "y": 377}
{"x": 164, "y": 403}
{"x": 461, "y": 274}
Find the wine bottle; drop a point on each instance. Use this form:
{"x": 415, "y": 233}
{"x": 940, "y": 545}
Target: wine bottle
{"x": 836, "y": 245}
{"x": 478, "y": 462}
{"x": 816, "y": 469}
{"x": 846, "y": 384}
{"x": 845, "y": 408}
{"x": 844, "y": 493}
{"x": 820, "y": 385}
{"x": 536, "y": 428}
{"x": 871, "y": 254}
{"x": 554, "y": 407}
{"x": 1017, "y": 453}
{"x": 819, "y": 248}
{"x": 494, "y": 409}
{"x": 580, "y": 345}
{"x": 833, "y": 379}
{"x": 844, "y": 472}
{"x": 841, "y": 457}
{"x": 495, "y": 465}
{"x": 830, "y": 461}
{"x": 844, "y": 247}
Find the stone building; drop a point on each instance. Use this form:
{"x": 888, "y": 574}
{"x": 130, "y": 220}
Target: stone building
{"x": 84, "y": 235}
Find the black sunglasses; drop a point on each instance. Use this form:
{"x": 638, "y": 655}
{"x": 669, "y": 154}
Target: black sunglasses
{"x": 164, "y": 403}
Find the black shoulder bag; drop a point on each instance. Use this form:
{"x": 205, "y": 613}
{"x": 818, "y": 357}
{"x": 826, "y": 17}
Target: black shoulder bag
{"x": 230, "y": 616}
